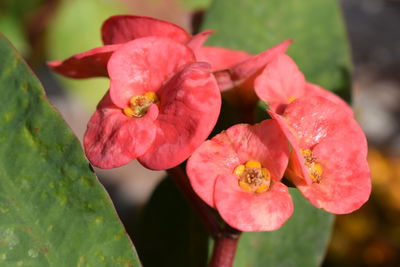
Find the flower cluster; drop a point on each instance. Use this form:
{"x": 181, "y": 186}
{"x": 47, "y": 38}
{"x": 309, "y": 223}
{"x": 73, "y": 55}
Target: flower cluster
{"x": 164, "y": 100}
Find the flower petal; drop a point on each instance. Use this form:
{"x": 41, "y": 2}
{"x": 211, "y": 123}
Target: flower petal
{"x": 124, "y": 28}
{"x": 313, "y": 118}
{"x": 92, "y": 63}
{"x": 220, "y": 58}
{"x": 251, "y": 212}
{"x": 280, "y": 81}
{"x": 199, "y": 39}
{"x": 263, "y": 142}
{"x": 296, "y": 170}
{"x": 113, "y": 139}
{"x": 144, "y": 65}
{"x": 189, "y": 108}
{"x": 345, "y": 184}
{"x": 315, "y": 90}
{"x": 213, "y": 158}
{"x": 250, "y": 66}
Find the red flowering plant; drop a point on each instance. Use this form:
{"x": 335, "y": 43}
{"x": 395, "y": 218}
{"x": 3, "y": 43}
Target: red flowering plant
{"x": 161, "y": 105}
{"x": 116, "y": 31}
{"x": 328, "y": 158}
{"x": 238, "y": 172}
{"x": 165, "y": 99}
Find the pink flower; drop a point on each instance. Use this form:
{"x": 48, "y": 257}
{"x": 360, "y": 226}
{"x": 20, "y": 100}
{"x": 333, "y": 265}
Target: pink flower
{"x": 238, "y": 172}
{"x": 328, "y": 158}
{"x": 160, "y": 107}
{"x": 281, "y": 82}
{"x": 236, "y": 70}
{"x": 116, "y": 31}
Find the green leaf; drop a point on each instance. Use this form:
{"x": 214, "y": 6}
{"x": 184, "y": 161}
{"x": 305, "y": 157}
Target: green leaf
{"x": 170, "y": 233}
{"x": 300, "y": 242}
{"x": 75, "y": 29}
{"x": 320, "y": 46}
{"x": 53, "y": 210}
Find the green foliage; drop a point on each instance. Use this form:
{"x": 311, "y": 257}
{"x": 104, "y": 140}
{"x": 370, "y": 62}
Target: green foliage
{"x": 53, "y": 210}
{"x": 170, "y": 233}
{"x": 75, "y": 29}
{"x": 320, "y": 47}
{"x": 300, "y": 242}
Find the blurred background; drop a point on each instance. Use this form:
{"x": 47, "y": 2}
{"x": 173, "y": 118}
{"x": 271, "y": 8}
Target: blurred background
{"x": 45, "y": 30}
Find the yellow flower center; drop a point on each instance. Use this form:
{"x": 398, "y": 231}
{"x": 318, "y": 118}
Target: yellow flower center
{"x": 291, "y": 99}
{"x": 314, "y": 168}
{"x": 252, "y": 177}
{"x": 139, "y": 104}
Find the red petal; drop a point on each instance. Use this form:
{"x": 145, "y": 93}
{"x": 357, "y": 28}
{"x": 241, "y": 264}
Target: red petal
{"x": 124, "y": 28}
{"x": 280, "y": 80}
{"x": 113, "y": 139}
{"x": 198, "y": 40}
{"x": 314, "y": 118}
{"x": 251, "y": 212}
{"x": 144, "y": 65}
{"x": 189, "y": 109}
{"x": 92, "y": 63}
{"x": 346, "y": 184}
{"x": 250, "y": 66}
{"x": 213, "y": 158}
{"x": 296, "y": 170}
{"x": 263, "y": 142}
{"x": 315, "y": 90}
{"x": 220, "y": 58}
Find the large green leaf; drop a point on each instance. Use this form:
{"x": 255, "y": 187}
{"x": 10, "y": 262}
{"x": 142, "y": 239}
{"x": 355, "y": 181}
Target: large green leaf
{"x": 53, "y": 210}
{"x": 169, "y": 232}
{"x": 320, "y": 47}
{"x": 300, "y": 242}
{"x": 75, "y": 29}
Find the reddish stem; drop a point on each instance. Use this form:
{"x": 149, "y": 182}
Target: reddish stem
{"x": 182, "y": 181}
{"x": 225, "y": 240}
{"x": 225, "y": 248}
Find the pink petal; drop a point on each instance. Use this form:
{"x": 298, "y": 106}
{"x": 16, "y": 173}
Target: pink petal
{"x": 220, "y": 58}
{"x": 263, "y": 142}
{"x": 124, "y": 28}
{"x": 251, "y": 212}
{"x": 296, "y": 170}
{"x": 92, "y": 63}
{"x": 199, "y": 39}
{"x": 144, "y": 65}
{"x": 346, "y": 184}
{"x": 244, "y": 70}
{"x": 315, "y": 90}
{"x": 280, "y": 80}
{"x": 213, "y": 158}
{"x": 314, "y": 118}
{"x": 250, "y": 66}
{"x": 189, "y": 109}
{"x": 113, "y": 139}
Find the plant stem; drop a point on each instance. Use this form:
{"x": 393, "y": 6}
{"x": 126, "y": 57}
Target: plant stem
{"x": 225, "y": 248}
{"x": 201, "y": 208}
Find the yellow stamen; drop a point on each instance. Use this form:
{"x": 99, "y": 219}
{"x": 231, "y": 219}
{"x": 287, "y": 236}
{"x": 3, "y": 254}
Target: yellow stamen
{"x": 291, "y": 99}
{"x": 239, "y": 170}
{"x": 245, "y": 186}
{"x": 139, "y": 104}
{"x": 253, "y": 164}
{"x": 128, "y": 112}
{"x": 252, "y": 178}
{"x": 315, "y": 169}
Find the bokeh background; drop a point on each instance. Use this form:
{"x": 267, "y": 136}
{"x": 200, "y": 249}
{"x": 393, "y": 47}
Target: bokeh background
{"x": 45, "y": 30}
